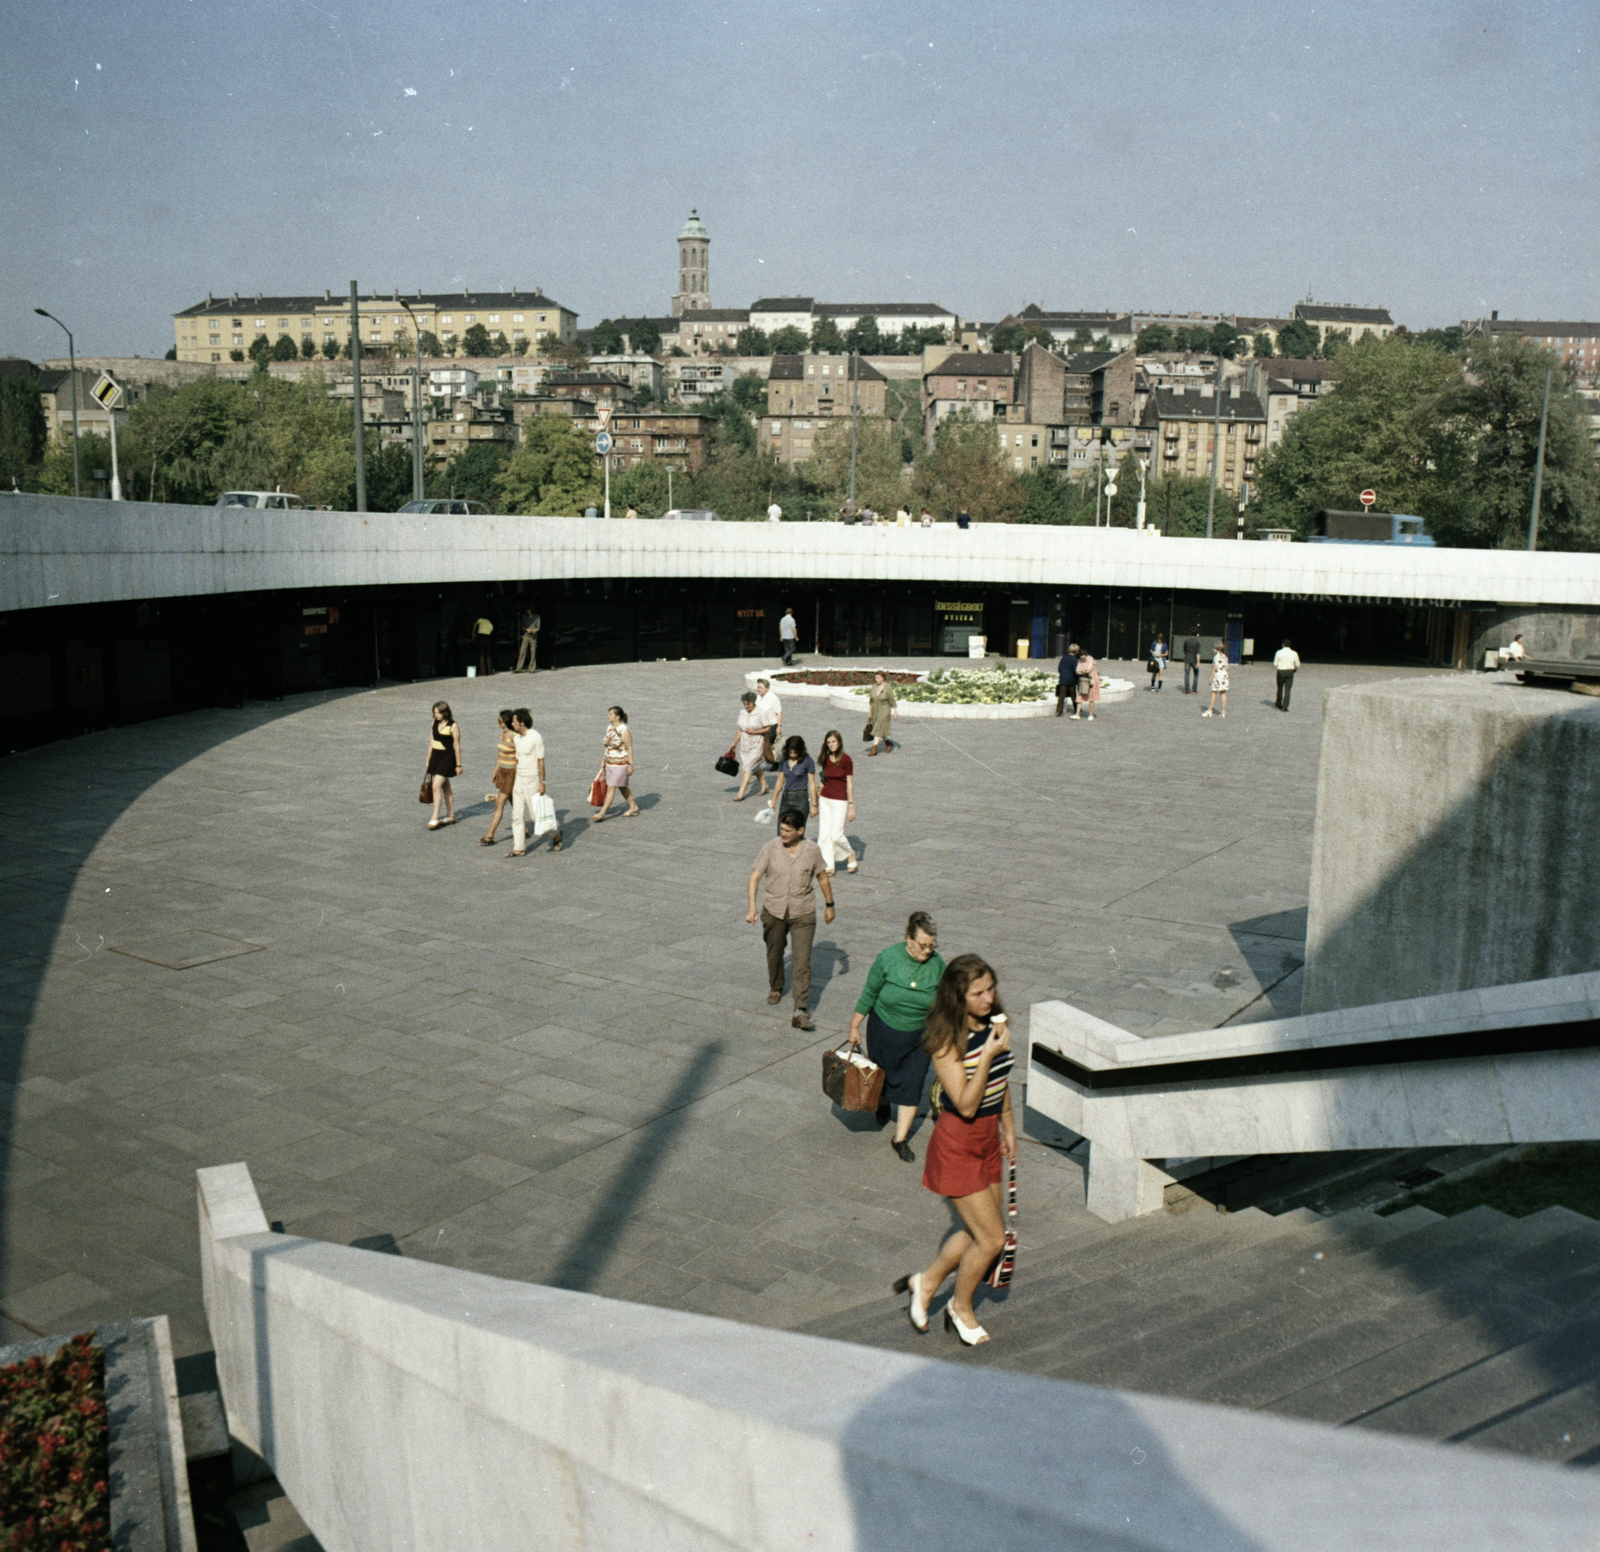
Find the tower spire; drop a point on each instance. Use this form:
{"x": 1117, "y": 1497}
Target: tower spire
{"x": 694, "y": 267}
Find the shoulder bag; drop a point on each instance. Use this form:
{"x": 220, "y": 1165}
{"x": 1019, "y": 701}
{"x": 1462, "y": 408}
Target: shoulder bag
{"x": 426, "y": 795}
{"x": 727, "y": 765}
{"x": 597, "y": 790}
{"x": 852, "y": 1082}
{"x": 1004, "y": 1266}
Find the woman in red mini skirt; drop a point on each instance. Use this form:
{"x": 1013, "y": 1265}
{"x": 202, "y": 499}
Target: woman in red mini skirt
{"x": 970, "y": 1043}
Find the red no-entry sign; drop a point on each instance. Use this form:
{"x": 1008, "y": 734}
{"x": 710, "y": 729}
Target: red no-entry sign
{"x": 1368, "y": 497}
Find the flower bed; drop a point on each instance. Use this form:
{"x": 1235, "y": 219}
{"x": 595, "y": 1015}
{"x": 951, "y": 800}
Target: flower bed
{"x": 54, "y": 1453}
{"x": 982, "y": 686}
{"x": 841, "y": 678}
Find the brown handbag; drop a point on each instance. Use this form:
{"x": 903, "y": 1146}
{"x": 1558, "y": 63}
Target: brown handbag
{"x": 426, "y": 795}
{"x": 851, "y": 1085}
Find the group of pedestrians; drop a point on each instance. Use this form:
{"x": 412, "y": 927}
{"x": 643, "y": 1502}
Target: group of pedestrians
{"x": 1077, "y": 681}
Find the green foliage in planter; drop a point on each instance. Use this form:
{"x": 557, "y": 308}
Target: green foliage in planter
{"x": 982, "y": 686}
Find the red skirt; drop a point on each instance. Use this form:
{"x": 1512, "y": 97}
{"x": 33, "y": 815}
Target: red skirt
{"x": 963, "y": 1157}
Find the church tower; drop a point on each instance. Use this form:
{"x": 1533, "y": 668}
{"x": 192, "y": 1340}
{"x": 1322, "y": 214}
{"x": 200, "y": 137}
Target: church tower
{"x": 694, "y": 267}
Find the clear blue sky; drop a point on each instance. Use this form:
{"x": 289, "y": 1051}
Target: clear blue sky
{"x": 1438, "y": 159}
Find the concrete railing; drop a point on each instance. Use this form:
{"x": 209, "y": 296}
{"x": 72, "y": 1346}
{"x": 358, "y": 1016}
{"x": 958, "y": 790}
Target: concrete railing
{"x": 405, "y": 1405}
{"x": 1503, "y": 1064}
{"x": 58, "y": 551}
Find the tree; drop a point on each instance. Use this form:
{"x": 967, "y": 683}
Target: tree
{"x": 753, "y": 342}
{"x": 643, "y": 396}
{"x": 749, "y": 392}
{"x": 881, "y": 481}
{"x": 825, "y": 337}
{"x": 863, "y": 336}
{"x": 552, "y": 472}
{"x": 1152, "y": 339}
{"x": 1334, "y": 344}
{"x": 1177, "y": 505}
{"x": 1502, "y": 396}
{"x": 1297, "y": 340}
{"x": 1010, "y": 337}
{"x": 1049, "y": 496}
{"x": 388, "y": 477}
{"x": 330, "y": 349}
{"x": 1389, "y": 424}
{"x": 788, "y": 341}
{"x": 1193, "y": 336}
{"x": 284, "y": 348}
{"x": 172, "y": 353}
{"x": 475, "y": 342}
{"x": 236, "y": 355}
{"x": 429, "y": 341}
{"x": 1451, "y": 339}
{"x": 54, "y": 477}
{"x": 23, "y": 429}
{"x": 308, "y": 350}
{"x": 605, "y": 338}
{"x": 1081, "y": 340}
{"x": 642, "y": 486}
{"x": 644, "y": 335}
{"x": 567, "y": 353}
{"x": 174, "y": 432}
{"x": 966, "y": 472}
{"x": 1261, "y": 345}
{"x": 1224, "y": 340}
{"x": 260, "y": 349}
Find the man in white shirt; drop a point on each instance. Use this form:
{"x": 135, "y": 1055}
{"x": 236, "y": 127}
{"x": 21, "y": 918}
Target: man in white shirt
{"x": 770, "y": 710}
{"x": 1515, "y": 653}
{"x": 529, "y": 783}
{"x": 774, "y": 513}
{"x": 788, "y": 637}
{"x": 1285, "y": 660}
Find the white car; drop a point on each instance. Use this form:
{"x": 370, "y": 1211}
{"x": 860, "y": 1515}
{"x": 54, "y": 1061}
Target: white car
{"x": 691, "y": 515}
{"x": 275, "y": 500}
{"x": 452, "y": 507}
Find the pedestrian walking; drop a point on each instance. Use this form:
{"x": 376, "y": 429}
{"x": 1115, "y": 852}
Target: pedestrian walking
{"x": 1088, "y": 688}
{"x": 616, "y": 764}
{"x": 528, "y": 653}
{"x": 770, "y": 709}
{"x": 749, "y": 746}
{"x": 927, "y": 518}
{"x": 969, "y": 1041}
{"x": 1157, "y": 665}
{"x": 1191, "y": 662}
{"x": 1219, "y": 680}
{"x": 891, "y": 1015}
{"x": 881, "y": 711}
{"x": 529, "y": 783}
{"x": 797, "y": 781}
{"x": 444, "y": 761}
{"x": 1286, "y": 661}
{"x": 504, "y": 777}
{"x": 1067, "y": 680}
{"x": 774, "y": 512}
{"x": 791, "y": 867}
{"x": 836, "y": 803}
{"x": 483, "y": 634}
{"x": 788, "y": 637}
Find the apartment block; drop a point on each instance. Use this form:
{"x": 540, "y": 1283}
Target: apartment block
{"x": 1357, "y": 322}
{"x": 1183, "y": 421}
{"x": 982, "y": 385}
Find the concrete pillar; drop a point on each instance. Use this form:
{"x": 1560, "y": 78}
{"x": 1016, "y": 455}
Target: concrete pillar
{"x": 1119, "y": 1186}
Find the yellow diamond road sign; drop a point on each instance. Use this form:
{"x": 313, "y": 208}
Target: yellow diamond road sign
{"x": 107, "y": 392}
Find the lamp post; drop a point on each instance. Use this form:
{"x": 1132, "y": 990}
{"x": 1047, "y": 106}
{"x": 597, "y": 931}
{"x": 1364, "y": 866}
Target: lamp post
{"x": 72, "y": 365}
{"x": 1216, "y": 446}
{"x": 855, "y": 415}
{"x": 1144, "y": 467}
{"x": 1538, "y": 467}
{"x": 355, "y": 395}
{"x": 416, "y": 409}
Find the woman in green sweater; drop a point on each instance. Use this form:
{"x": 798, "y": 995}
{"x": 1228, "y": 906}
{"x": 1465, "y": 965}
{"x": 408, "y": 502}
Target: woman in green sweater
{"x": 893, "y": 1007}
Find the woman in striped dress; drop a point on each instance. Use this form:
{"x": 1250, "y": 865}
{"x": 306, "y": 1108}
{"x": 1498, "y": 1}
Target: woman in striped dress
{"x": 970, "y": 1043}
{"x": 504, "y": 778}
{"x": 616, "y": 764}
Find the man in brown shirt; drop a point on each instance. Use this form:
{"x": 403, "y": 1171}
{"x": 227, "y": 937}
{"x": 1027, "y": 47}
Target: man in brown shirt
{"x": 791, "y": 866}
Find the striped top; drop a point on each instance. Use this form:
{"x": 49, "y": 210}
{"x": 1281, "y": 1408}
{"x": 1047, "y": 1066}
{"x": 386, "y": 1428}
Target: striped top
{"x": 994, "y": 1093}
{"x": 505, "y": 756}
{"x": 616, "y": 749}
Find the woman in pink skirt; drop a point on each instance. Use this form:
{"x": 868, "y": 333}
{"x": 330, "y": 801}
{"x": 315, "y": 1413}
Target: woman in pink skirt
{"x": 970, "y": 1043}
{"x": 617, "y": 764}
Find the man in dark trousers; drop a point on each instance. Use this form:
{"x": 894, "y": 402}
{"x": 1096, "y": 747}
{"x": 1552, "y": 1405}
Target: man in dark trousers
{"x": 1286, "y": 660}
{"x": 1067, "y": 679}
{"x": 791, "y": 865}
{"x": 1191, "y": 662}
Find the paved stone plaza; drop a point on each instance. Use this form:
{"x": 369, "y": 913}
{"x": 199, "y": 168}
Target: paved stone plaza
{"x": 233, "y": 938}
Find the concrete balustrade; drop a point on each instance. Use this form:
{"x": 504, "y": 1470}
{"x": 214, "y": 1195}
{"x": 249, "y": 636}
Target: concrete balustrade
{"x": 1502, "y": 1064}
{"x": 405, "y": 1405}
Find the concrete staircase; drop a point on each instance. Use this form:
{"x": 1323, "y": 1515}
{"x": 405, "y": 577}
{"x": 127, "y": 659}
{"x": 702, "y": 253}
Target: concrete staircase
{"x": 1478, "y": 1329}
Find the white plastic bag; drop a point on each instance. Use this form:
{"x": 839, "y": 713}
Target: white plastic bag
{"x": 763, "y": 815}
{"x": 544, "y": 814}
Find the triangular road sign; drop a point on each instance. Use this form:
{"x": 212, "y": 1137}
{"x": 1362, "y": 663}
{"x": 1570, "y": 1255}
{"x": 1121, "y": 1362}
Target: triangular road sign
{"x": 603, "y": 415}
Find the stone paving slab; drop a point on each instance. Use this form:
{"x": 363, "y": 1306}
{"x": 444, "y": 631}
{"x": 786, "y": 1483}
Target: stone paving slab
{"x": 563, "y": 1067}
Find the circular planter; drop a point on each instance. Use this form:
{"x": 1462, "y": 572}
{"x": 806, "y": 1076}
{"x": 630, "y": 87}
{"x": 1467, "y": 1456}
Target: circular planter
{"x": 781, "y": 682}
{"x": 1110, "y": 690}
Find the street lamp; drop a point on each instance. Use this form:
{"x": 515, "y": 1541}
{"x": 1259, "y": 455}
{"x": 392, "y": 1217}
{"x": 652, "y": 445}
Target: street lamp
{"x": 416, "y": 409}
{"x": 1144, "y": 466}
{"x": 72, "y": 363}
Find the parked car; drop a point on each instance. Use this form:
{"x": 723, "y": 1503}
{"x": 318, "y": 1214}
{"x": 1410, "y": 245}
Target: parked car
{"x": 691, "y": 515}
{"x": 450, "y": 508}
{"x": 275, "y": 500}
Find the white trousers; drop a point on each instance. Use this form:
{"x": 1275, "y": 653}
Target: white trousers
{"x": 522, "y": 795}
{"x": 830, "y": 831}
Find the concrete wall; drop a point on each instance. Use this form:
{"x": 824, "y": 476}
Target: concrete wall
{"x": 1560, "y": 633}
{"x": 406, "y": 1405}
{"x": 1457, "y": 839}
{"x": 56, "y": 550}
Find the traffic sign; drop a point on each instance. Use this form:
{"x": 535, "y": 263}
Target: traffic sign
{"x": 107, "y": 392}
{"x": 603, "y": 415}
{"x": 602, "y": 443}
{"x": 1368, "y": 497}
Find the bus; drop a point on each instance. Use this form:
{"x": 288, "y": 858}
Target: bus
{"x": 1330, "y": 527}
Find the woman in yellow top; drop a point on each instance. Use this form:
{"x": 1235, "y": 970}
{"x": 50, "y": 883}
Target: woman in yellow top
{"x": 616, "y": 763}
{"x": 504, "y": 778}
{"x": 444, "y": 761}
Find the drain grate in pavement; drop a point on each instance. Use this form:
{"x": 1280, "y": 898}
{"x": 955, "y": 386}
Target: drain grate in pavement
{"x": 185, "y": 950}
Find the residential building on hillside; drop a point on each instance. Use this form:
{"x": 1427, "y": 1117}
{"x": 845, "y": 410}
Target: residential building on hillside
{"x": 674, "y": 437}
{"x": 1183, "y": 419}
{"x": 805, "y": 393}
{"x": 1175, "y": 321}
{"x": 1063, "y": 327}
{"x": 468, "y": 421}
{"x": 892, "y": 317}
{"x": 1249, "y": 327}
{"x": 981, "y": 385}
{"x": 694, "y": 268}
{"x": 771, "y": 313}
{"x": 1577, "y": 344}
{"x": 600, "y": 387}
{"x": 1080, "y": 449}
{"x": 1284, "y": 387}
{"x": 1087, "y": 389}
{"x": 638, "y": 370}
{"x": 692, "y": 381}
{"x": 710, "y": 329}
{"x": 210, "y": 330}
{"x": 1357, "y": 322}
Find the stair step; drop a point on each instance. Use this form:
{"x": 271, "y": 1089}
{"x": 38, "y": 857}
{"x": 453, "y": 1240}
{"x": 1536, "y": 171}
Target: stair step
{"x": 1564, "y": 1427}
{"x": 1473, "y": 1401}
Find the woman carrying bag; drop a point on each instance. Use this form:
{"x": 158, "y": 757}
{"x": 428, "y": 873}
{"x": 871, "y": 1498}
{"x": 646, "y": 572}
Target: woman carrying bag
{"x": 970, "y": 1044}
{"x": 616, "y": 767}
{"x": 891, "y": 1013}
{"x": 444, "y": 761}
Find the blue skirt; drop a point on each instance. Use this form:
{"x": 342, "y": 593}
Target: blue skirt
{"x": 905, "y": 1064}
